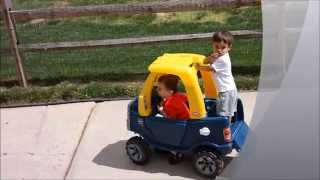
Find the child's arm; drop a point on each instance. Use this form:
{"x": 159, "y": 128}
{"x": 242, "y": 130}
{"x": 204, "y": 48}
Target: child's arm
{"x": 204, "y": 67}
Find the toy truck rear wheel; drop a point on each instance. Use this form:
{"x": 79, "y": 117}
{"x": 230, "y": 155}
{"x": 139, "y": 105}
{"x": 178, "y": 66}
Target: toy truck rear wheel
{"x": 208, "y": 163}
{"x": 138, "y": 150}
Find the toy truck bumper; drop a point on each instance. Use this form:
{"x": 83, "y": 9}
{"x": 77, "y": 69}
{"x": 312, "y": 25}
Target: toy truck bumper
{"x": 239, "y": 133}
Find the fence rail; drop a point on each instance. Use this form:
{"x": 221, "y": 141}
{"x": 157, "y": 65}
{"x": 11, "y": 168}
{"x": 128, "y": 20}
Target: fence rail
{"x": 130, "y": 41}
{"x": 128, "y": 9}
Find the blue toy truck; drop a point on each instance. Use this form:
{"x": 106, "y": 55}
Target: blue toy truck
{"x": 206, "y": 135}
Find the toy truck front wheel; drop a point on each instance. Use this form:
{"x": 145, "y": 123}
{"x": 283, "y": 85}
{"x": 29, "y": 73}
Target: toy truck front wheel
{"x": 207, "y": 163}
{"x": 138, "y": 150}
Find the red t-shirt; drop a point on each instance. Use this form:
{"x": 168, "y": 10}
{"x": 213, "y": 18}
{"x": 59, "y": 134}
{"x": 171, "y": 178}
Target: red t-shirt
{"x": 176, "y": 106}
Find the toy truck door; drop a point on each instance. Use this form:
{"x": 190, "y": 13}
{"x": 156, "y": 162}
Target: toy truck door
{"x": 166, "y": 131}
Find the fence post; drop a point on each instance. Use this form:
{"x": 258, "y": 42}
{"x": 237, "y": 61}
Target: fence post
{"x": 9, "y": 22}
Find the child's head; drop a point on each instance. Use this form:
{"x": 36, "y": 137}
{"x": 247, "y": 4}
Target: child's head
{"x": 167, "y": 85}
{"x": 222, "y": 41}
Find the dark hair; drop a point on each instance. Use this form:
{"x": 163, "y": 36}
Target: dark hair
{"x": 170, "y": 81}
{"x": 223, "y": 36}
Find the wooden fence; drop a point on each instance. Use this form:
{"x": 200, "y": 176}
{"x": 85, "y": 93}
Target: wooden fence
{"x": 12, "y": 16}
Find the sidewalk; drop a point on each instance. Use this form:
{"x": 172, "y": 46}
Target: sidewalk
{"x": 82, "y": 140}
{"x": 40, "y": 141}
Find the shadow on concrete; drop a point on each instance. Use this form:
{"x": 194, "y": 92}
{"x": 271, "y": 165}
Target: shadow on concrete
{"x": 114, "y": 155}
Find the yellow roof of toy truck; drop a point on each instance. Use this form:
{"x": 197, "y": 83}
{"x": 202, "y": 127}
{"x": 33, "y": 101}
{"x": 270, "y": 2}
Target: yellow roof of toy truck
{"x": 175, "y": 63}
{"x": 181, "y": 65}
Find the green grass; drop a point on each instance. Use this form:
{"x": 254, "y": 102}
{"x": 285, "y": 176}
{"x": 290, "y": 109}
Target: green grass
{"x": 96, "y": 72}
{"x": 66, "y": 91}
{"x": 33, "y": 4}
{"x": 122, "y": 63}
{"x": 23, "y": 4}
{"x": 90, "y": 28}
{"x": 97, "y": 2}
{"x": 103, "y": 27}
{"x": 87, "y": 28}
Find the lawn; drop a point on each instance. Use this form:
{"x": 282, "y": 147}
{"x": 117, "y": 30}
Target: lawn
{"x": 117, "y": 63}
{"x": 88, "y": 28}
{"x": 81, "y": 68}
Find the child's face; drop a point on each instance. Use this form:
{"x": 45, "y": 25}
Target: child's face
{"x": 163, "y": 91}
{"x": 221, "y": 47}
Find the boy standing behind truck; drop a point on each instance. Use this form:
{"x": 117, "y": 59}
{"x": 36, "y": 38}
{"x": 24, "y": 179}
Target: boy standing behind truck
{"x": 220, "y": 63}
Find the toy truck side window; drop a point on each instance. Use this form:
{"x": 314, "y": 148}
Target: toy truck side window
{"x": 156, "y": 100}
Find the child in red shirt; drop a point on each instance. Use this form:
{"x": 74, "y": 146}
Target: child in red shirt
{"x": 174, "y": 103}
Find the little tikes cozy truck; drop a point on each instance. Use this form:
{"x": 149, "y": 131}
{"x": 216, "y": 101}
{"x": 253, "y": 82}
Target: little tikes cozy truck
{"x": 206, "y": 135}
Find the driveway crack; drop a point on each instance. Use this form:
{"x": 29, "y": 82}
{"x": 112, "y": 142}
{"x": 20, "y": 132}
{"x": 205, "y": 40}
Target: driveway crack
{"x": 79, "y": 141}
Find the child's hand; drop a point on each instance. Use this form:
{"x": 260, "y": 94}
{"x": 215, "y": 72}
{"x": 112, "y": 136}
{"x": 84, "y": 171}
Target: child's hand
{"x": 160, "y": 109}
{"x": 212, "y": 57}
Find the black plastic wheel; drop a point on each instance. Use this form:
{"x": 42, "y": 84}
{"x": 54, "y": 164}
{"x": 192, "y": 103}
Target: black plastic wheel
{"x": 208, "y": 164}
{"x": 138, "y": 150}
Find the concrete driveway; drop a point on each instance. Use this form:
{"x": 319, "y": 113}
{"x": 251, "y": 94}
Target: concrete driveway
{"x": 82, "y": 141}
